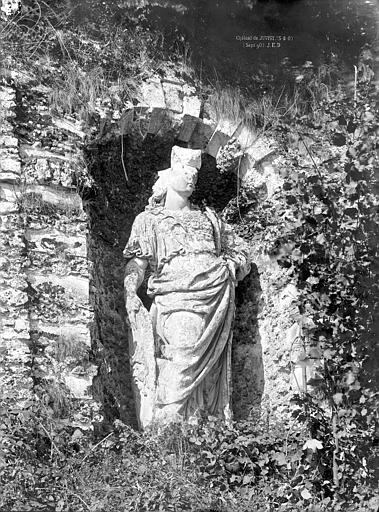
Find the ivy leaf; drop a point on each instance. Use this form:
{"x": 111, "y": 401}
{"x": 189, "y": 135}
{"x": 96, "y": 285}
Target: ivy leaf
{"x": 337, "y": 398}
{"x": 280, "y": 458}
{"x": 320, "y": 239}
{"x": 305, "y": 494}
{"x": 313, "y": 444}
{"x": 338, "y": 139}
{"x": 291, "y": 199}
{"x": 247, "y": 479}
{"x": 350, "y": 378}
{"x": 351, "y": 212}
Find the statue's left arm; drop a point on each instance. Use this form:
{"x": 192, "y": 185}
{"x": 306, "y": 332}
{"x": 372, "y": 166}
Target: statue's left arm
{"x": 236, "y": 251}
{"x": 139, "y": 251}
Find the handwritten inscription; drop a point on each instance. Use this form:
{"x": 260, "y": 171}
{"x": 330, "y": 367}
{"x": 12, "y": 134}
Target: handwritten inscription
{"x": 263, "y": 41}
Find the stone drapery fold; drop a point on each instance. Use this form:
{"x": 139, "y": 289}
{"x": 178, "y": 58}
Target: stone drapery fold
{"x": 194, "y": 257}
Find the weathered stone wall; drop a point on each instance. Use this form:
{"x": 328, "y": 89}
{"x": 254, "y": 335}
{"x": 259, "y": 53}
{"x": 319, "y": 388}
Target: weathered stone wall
{"x": 287, "y": 367}
{"x": 45, "y": 308}
{"x": 68, "y": 201}
{"x": 16, "y": 381}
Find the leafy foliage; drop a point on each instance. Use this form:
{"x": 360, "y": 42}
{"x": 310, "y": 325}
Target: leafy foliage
{"x": 321, "y": 225}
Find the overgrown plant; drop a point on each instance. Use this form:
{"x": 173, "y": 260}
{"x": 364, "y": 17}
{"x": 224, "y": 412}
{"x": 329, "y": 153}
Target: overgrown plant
{"x": 334, "y": 256}
{"x": 323, "y": 228}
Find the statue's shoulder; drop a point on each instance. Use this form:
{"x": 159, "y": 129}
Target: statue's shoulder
{"x": 149, "y": 214}
{"x": 144, "y": 220}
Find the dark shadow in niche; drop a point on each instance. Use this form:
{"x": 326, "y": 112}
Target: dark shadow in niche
{"x": 112, "y": 205}
{"x": 247, "y": 360}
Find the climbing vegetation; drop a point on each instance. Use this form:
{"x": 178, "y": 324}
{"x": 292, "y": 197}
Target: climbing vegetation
{"x": 321, "y": 225}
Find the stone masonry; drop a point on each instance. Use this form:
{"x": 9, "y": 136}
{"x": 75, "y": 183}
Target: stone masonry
{"x": 45, "y": 311}
{"x": 15, "y": 343}
{"x": 47, "y": 299}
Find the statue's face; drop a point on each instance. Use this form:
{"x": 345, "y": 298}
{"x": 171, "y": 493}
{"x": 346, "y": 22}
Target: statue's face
{"x": 183, "y": 179}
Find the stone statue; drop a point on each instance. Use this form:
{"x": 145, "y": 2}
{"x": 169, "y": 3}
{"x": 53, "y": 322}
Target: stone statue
{"x": 181, "y": 348}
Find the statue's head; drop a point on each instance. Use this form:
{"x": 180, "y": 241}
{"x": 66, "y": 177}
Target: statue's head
{"x": 181, "y": 176}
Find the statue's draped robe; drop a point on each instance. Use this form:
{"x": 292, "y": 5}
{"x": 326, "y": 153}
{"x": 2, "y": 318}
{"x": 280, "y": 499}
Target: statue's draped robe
{"x": 192, "y": 283}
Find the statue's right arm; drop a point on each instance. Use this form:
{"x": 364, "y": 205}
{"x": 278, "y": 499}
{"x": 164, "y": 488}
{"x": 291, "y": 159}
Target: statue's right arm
{"x": 134, "y": 275}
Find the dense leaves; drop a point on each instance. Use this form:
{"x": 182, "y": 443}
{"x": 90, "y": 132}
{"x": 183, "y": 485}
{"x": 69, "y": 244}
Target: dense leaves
{"x": 322, "y": 226}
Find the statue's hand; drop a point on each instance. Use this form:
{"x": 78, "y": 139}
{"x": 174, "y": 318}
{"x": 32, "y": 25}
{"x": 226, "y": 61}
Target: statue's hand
{"x": 133, "y": 304}
{"x": 232, "y": 266}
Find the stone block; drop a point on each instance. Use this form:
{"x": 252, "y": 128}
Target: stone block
{"x": 191, "y": 106}
{"x": 78, "y": 332}
{"x": 200, "y": 136}
{"x": 8, "y": 192}
{"x": 11, "y": 297}
{"x": 75, "y": 285}
{"x": 227, "y": 126}
{"x": 187, "y": 128}
{"x": 8, "y": 141}
{"x": 218, "y": 140}
{"x": 6, "y": 94}
{"x": 9, "y": 177}
{"x": 8, "y": 207}
{"x": 262, "y": 148}
{"x": 157, "y": 120}
{"x": 21, "y": 324}
{"x": 9, "y": 223}
{"x": 7, "y": 98}
{"x": 28, "y": 151}
{"x": 9, "y": 334}
{"x": 10, "y": 165}
{"x": 69, "y": 126}
{"x": 6, "y": 128}
{"x": 17, "y": 350}
{"x": 152, "y": 94}
{"x": 173, "y": 95}
{"x": 52, "y": 240}
{"x": 18, "y": 283}
{"x": 77, "y": 385}
{"x": 57, "y": 195}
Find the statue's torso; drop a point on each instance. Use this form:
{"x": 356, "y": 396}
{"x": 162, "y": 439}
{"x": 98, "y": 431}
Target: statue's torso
{"x": 178, "y": 232}
{"x": 185, "y": 250}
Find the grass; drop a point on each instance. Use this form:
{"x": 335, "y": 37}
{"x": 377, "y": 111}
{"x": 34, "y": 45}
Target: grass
{"x": 226, "y": 104}
{"x": 293, "y": 93}
{"x": 55, "y": 396}
{"x": 68, "y": 346}
{"x": 32, "y": 203}
{"x": 87, "y": 69}
{"x": 78, "y": 91}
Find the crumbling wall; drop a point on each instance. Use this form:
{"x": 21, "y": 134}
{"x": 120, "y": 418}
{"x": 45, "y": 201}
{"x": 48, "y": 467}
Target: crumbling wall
{"x": 46, "y": 314}
{"x": 16, "y": 381}
{"x": 68, "y": 200}
{"x": 278, "y": 322}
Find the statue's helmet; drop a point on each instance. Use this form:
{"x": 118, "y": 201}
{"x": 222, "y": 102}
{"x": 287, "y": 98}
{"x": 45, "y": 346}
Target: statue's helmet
{"x": 183, "y": 157}
{"x": 186, "y": 157}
